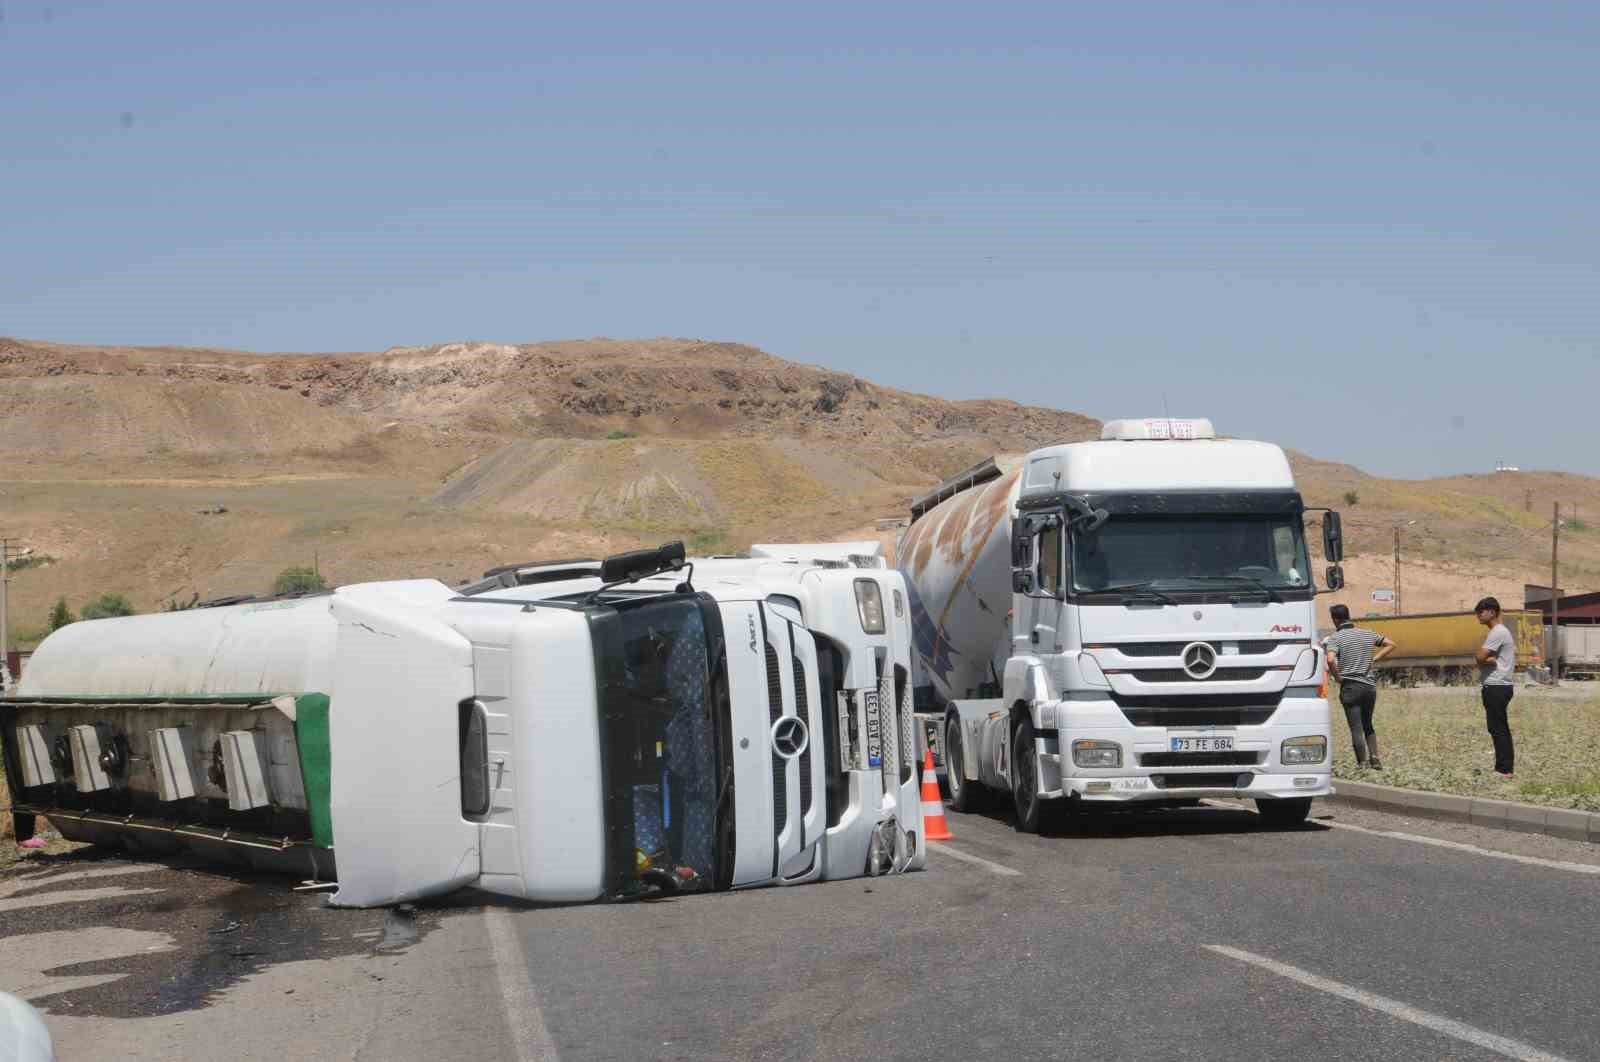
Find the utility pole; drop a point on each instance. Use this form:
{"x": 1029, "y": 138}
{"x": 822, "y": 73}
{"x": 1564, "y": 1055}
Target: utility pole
{"x": 1555, "y": 596}
{"x": 5, "y": 642}
{"x": 1397, "y": 571}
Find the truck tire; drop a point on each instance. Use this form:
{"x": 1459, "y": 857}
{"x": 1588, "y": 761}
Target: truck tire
{"x": 1025, "y": 778}
{"x": 1284, "y": 812}
{"x": 965, "y": 794}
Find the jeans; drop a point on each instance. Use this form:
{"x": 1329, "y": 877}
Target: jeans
{"x": 1496, "y": 699}
{"x": 1359, "y": 699}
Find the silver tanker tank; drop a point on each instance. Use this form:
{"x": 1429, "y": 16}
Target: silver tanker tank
{"x": 956, "y": 558}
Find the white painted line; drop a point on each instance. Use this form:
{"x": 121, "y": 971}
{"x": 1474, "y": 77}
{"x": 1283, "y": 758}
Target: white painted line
{"x": 1501, "y": 1045}
{"x": 1438, "y": 842}
{"x": 529, "y": 1037}
{"x": 967, "y": 857}
{"x": 1553, "y": 864}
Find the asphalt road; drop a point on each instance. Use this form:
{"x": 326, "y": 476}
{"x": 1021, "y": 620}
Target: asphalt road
{"x": 1194, "y": 933}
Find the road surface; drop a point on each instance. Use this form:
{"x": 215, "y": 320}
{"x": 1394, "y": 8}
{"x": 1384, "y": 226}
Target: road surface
{"x": 1193, "y": 933}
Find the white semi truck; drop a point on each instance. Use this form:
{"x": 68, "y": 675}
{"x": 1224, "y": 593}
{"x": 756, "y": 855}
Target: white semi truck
{"x": 1123, "y": 620}
{"x": 556, "y": 732}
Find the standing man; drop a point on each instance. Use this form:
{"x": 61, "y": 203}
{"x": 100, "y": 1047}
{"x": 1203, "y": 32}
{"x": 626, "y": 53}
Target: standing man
{"x": 1497, "y": 665}
{"x": 1352, "y": 651}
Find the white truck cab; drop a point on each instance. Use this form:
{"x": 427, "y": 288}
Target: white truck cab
{"x": 1124, "y": 620}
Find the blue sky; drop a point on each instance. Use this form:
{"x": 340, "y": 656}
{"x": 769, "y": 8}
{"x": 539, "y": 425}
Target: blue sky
{"x": 1367, "y": 231}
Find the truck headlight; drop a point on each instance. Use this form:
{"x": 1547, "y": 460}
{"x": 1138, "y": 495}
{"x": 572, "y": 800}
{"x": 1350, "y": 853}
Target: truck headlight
{"x": 869, "y": 603}
{"x": 1089, "y": 753}
{"x": 1299, "y": 750}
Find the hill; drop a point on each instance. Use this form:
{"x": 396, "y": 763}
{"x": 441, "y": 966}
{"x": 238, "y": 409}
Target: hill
{"x": 167, "y": 472}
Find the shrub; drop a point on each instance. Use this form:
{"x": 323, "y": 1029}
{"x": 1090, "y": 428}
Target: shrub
{"x": 60, "y": 614}
{"x": 298, "y": 580}
{"x": 1352, "y": 498}
{"x": 107, "y": 605}
{"x": 618, "y": 433}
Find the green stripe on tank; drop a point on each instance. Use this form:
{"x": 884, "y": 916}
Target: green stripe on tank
{"x": 316, "y": 763}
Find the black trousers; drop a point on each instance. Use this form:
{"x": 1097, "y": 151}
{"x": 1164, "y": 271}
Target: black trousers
{"x": 1496, "y": 699}
{"x": 1358, "y": 700}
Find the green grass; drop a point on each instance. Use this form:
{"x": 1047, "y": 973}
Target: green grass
{"x": 1435, "y": 739}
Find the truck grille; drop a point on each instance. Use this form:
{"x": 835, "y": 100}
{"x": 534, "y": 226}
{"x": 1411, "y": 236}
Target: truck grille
{"x": 802, "y": 708}
{"x": 1197, "y": 709}
{"x": 888, "y": 715}
{"x": 1178, "y": 674}
{"x": 908, "y": 740}
{"x": 1256, "y": 648}
{"x": 780, "y": 774}
{"x": 1201, "y": 781}
{"x": 1199, "y": 759}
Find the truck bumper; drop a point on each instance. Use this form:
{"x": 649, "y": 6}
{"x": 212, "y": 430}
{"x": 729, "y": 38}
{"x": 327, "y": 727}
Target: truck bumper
{"x": 1152, "y": 770}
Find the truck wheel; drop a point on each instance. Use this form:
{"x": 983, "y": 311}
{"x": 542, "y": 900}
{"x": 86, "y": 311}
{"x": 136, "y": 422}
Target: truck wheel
{"x": 964, "y": 794}
{"x": 1284, "y": 811}
{"x": 1025, "y": 778}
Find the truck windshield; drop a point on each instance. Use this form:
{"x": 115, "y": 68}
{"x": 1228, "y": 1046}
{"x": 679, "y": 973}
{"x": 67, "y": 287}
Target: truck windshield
{"x": 664, "y": 705}
{"x": 1202, "y": 553}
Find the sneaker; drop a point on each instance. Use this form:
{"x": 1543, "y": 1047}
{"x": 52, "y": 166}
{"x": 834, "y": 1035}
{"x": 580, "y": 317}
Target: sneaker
{"x": 1375, "y": 764}
{"x": 1505, "y": 774}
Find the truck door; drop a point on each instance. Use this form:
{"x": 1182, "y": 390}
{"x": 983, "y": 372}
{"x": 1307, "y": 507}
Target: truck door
{"x": 1042, "y": 606}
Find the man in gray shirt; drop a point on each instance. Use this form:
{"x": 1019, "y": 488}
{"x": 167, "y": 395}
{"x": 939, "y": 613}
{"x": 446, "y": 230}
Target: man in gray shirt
{"x": 1497, "y": 665}
{"x": 1351, "y": 652}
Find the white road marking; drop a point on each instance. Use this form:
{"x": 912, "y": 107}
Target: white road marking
{"x": 1501, "y": 1045}
{"x": 1553, "y": 864}
{"x": 70, "y": 896}
{"x": 1438, "y": 842}
{"x": 968, "y": 857}
{"x": 529, "y": 1037}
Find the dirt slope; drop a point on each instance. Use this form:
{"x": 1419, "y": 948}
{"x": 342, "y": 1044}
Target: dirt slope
{"x": 444, "y": 460}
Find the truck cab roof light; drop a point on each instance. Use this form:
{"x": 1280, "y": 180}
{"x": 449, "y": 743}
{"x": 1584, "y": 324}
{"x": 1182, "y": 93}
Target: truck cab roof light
{"x": 1162, "y": 428}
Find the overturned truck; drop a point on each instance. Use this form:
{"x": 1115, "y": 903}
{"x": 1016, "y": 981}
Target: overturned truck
{"x": 557, "y": 732}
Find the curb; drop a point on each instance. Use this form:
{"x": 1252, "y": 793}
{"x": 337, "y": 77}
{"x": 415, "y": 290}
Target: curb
{"x": 1565, "y": 823}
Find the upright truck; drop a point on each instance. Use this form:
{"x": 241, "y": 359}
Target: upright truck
{"x": 560, "y": 732}
{"x": 1127, "y": 620}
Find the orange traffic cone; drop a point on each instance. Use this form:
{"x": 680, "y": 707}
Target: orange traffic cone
{"x": 933, "y": 824}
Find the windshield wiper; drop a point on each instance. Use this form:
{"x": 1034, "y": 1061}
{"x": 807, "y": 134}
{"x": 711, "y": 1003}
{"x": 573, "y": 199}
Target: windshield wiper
{"x": 1144, "y": 589}
{"x": 1272, "y": 595}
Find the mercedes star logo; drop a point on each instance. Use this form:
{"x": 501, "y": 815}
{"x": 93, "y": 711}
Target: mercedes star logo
{"x": 789, "y": 737}
{"x": 1199, "y": 660}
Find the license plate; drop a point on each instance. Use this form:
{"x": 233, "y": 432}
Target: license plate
{"x": 869, "y": 704}
{"x": 1202, "y": 744}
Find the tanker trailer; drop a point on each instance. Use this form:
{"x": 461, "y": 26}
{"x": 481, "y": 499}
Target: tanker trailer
{"x": 555, "y": 732}
{"x": 1121, "y": 621}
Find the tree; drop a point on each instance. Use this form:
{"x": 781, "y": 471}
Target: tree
{"x": 106, "y": 606}
{"x": 298, "y": 580}
{"x": 60, "y": 614}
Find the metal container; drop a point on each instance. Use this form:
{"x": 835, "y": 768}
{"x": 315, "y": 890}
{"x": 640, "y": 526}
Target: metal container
{"x": 956, "y": 558}
{"x": 1449, "y": 639}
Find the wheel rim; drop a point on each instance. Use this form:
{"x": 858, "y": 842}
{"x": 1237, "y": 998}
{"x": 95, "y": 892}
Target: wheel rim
{"x": 1022, "y": 765}
{"x": 952, "y": 762}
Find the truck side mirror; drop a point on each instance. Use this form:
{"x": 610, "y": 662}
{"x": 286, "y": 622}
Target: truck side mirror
{"x": 1332, "y": 538}
{"x": 1021, "y": 581}
{"x": 1335, "y": 577}
{"x": 1022, "y": 546}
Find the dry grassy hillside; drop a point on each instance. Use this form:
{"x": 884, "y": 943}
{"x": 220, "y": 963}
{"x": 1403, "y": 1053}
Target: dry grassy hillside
{"x": 445, "y": 460}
